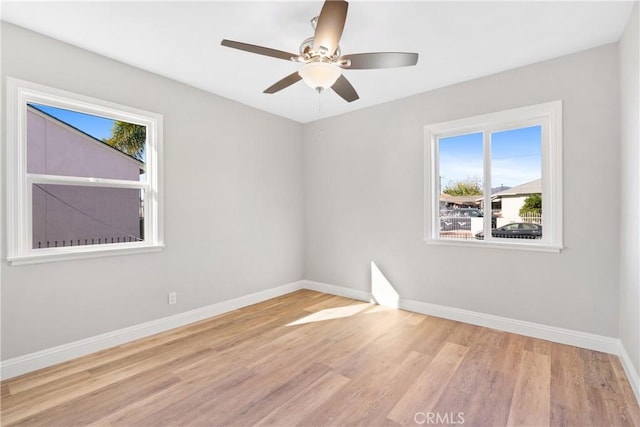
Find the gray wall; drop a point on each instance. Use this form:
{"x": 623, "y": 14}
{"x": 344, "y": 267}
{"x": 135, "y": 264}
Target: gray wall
{"x": 630, "y": 190}
{"x": 233, "y": 206}
{"x": 364, "y": 200}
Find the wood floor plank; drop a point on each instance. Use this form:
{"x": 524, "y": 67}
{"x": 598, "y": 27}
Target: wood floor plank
{"x": 390, "y": 345}
{"x": 149, "y": 402}
{"x": 606, "y": 385}
{"x": 330, "y": 302}
{"x": 88, "y": 409}
{"x": 361, "y": 396}
{"x": 569, "y": 402}
{"x": 530, "y": 405}
{"x": 431, "y": 335}
{"x": 267, "y": 391}
{"x": 309, "y": 358}
{"x": 508, "y": 359}
{"x": 477, "y": 389}
{"x": 171, "y": 404}
{"x": 347, "y": 340}
{"x": 626, "y": 391}
{"x": 394, "y": 390}
{"x": 27, "y": 406}
{"x": 425, "y": 392}
{"x": 309, "y": 399}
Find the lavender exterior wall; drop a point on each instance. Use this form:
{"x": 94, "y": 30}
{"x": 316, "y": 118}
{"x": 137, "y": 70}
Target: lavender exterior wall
{"x": 72, "y": 215}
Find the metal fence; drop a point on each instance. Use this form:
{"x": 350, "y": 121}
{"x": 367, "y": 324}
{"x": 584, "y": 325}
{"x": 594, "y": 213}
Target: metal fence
{"x": 457, "y": 235}
{"x": 534, "y": 219}
{"x": 467, "y": 228}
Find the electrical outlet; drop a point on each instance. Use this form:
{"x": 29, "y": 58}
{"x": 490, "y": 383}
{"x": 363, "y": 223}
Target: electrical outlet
{"x": 172, "y": 298}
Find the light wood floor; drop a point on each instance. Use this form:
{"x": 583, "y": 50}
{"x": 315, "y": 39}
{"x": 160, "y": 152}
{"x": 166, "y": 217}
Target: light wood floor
{"x": 313, "y": 359}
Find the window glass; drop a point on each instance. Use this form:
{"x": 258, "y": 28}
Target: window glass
{"x": 516, "y": 172}
{"x": 68, "y": 143}
{"x": 74, "y": 215}
{"x": 460, "y": 166}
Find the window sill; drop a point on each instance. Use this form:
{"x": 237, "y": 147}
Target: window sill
{"x": 69, "y": 254}
{"x": 533, "y": 247}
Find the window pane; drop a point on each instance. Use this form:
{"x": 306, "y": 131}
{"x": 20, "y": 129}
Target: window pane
{"x": 69, "y": 143}
{"x": 460, "y": 167}
{"x": 516, "y": 184}
{"x": 69, "y": 215}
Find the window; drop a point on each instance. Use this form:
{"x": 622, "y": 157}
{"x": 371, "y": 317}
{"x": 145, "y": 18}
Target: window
{"x": 487, "y": 174}
{"x": 83, "y": 176}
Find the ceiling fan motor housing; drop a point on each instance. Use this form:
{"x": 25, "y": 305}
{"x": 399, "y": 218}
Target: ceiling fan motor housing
{"x": 307, "y": 53}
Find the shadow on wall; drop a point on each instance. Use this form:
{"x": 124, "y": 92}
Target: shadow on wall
{"x": 382, "y": 290}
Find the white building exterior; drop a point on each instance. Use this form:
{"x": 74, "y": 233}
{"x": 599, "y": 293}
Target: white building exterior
{"x": 513, "y": 199}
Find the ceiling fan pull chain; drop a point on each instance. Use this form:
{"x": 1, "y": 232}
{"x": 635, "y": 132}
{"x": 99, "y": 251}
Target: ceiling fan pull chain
{"x": 321, "y": 130}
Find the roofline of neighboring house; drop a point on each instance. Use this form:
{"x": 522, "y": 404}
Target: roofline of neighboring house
{"x": 516, "y": 191}
{"x": 92, "y": 138}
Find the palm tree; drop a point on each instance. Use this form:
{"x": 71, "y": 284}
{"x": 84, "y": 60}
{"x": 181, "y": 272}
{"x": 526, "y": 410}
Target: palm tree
{"x": 128, "y": 138}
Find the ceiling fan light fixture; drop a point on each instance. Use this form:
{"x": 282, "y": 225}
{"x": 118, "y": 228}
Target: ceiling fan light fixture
{"x": 319, "y": 75}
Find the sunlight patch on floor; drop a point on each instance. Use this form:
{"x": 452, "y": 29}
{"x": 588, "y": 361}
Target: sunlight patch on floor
{"x": 332, "y": 313}
{"x": 378, "y": 309}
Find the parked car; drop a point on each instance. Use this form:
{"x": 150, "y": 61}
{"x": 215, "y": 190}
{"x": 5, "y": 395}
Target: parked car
{"x": 460, "y": 219}
{"x": 515, "y": 230}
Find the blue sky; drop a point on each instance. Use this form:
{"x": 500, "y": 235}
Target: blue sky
{"x": 515, "y": 157}
{"x": 98, "y": 127}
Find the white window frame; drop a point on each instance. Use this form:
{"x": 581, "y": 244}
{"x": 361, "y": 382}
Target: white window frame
{"x": 549, "y": 117}
{"x": 19, "y": 181}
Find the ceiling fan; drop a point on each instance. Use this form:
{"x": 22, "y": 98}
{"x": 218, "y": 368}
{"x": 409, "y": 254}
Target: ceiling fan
{"x": 322, "y": 59}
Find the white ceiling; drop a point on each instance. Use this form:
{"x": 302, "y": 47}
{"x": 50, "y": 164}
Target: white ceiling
{"x": 457, "y": 41}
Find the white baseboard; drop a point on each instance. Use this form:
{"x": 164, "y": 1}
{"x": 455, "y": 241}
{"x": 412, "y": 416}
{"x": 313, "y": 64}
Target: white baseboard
{"x": 630, "y": 370}
{"x": 51, "y": 356}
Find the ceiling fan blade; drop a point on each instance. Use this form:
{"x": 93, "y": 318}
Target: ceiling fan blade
{"x": 343, "y": 88}
{"x": 363, "y": 61}
{"x": 274, "y": 53}
{"x": 284, "y": 83}
{"x": 330, "y": 26}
